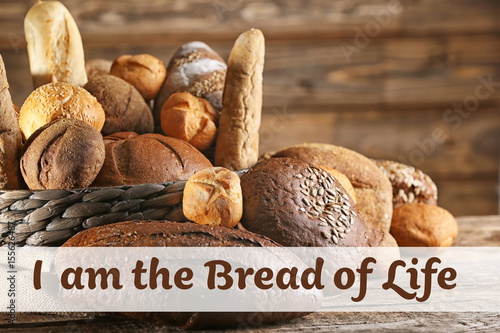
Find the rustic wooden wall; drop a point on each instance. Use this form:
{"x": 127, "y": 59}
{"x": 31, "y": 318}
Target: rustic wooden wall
{"x": 387, "y": 78}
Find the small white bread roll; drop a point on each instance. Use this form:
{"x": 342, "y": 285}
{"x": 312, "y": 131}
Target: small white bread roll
{"x": 55, "y": 46}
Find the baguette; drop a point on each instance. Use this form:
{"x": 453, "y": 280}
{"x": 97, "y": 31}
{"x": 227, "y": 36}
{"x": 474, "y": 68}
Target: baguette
{"x": 237, "y": 145}
{"x": 55, "y": 46}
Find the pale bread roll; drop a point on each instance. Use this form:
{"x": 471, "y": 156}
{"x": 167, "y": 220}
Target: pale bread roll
{"x": 55, "y": 46}
{"x": 237, "y": 145}
{"x": 342, "y": 179}
{"x": 10, "y": 137}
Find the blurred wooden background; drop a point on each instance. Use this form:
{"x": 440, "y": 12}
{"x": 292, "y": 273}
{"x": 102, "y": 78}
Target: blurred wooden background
{"x": 404, "y": 80}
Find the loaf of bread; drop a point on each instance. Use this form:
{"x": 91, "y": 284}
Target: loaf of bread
{"x": 191, "y": 119}
{"x": 213, "y": 196}
{"x": 342, "y": 179}
{"x": 64, "y": 154}
{"x": 408, "y": 183}
{"x": 195, "y": 68}
{"x": 10, "y": 137}
{"x": 59, "y": 100}
{"x": 144, "y": 71}
{"x": 124, "y": 107}
{"x": 55, "y": 46}
{"x": 173, "y": 234}
{"x": 418, "y": 224}
{"x": 148, "y": 158}
{"x": 298, "y": 204}
{"x": 237, "y": 145}
{"x": 373, "y": 189}
{"x": 97, "y": 67}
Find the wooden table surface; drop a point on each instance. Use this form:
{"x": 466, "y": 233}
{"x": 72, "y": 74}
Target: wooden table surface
{"x": 473, "y": 231}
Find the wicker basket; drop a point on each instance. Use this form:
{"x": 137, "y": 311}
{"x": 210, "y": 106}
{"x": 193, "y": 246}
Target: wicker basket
{"x": 50, "y": 217}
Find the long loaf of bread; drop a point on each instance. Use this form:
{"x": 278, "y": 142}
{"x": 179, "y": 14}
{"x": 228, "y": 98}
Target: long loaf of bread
{"x": 237, "y": 144}
{"x": 10, "y": 137}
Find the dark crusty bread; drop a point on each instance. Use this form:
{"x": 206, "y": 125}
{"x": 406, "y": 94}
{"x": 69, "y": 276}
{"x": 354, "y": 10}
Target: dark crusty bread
{"x": 297, "y": 204}
{"x": 64, "y": 154}
{"x": 10, "y": 137}
{"x": 123, "y": 105}
{"x": 372, "y": 187}
{"x": 148, "y": 158}
{"x": 173, "y": 234}
{"x": 408, "y": 183}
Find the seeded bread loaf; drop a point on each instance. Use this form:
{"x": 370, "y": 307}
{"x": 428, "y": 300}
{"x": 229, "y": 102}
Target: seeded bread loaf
{"x": 194, "y": 68}
{"x": 298, "y": 204}
{"x": 408, "y": 183}
{"x": 10, "y": 137}
{"x": 148, "y": 158}
{"x": 237, "y": 145}
{"x": 373, "y": 189}
{"x": 173, "y": 234}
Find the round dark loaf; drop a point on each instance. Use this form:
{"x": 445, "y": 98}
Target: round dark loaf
{"x": 174, "y": 234}
{"x": 148, "y": 158}
{"x": 297, "y": 204}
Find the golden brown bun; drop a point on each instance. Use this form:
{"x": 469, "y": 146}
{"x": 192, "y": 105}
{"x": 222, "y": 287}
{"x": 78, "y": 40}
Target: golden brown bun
{"x": 54, "y": 44}
{"x": 97, "y": 67}
{"x": 65, "y": 154}
{"x": 373, "y": 189}
{"x": 237, "y": 145}
{"x": 191, "y": 119}
{"x": 194, "y": 68}
{"x": 144, "y": 71}
{"x": 213, "y": 196}
{"x": 10, "y": 137}
{"x": 148, "y": 158}
{"x": 342, "y": 179}
{"x": 59, "y": 100}
{"x": 124, "y": 107}
{"x": 418, "y": 224}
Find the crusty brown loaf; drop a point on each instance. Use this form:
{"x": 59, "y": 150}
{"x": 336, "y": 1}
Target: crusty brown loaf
{"x": 297, "y": 204}
{"x": 372, "y": 187}
{"x": 64, "y": 154}
{"x": 148, "y": 158}
{"x": 191, "y": 119}
{"x": 237, "y": 145}
{"x": 97, "y": 67}
{"x": 195, "y": 68}
{"x": 213, "y": 196}
{"x": 418, "y": 224}
{"x": 408, "y": 183}
{"x": 10, "y": 137}
{"x": 342, "y": 179}
{"x": 124, "y": 107}
{"x": 173, "y": 234}
{"x": 59, "y": 100}
{"x": 144, "y": 71}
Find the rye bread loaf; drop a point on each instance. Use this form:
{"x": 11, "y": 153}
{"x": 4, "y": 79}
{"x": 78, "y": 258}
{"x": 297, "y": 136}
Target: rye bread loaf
{"x": 373, "y": 189}
{"x": 10, "y": 137}
{"x": 173, "y": 234}
{"x": 298, "y": 204}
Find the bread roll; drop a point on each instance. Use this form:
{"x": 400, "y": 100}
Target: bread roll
{"x": 342, "y": 179}
{"x": 97, "y": 67}
{"x": 237, "y": 145}
{"x": 213, "y": 196}
{"x": 191, "y": 119}
{"x": 10, "y": 137}
{"x": 194, "y": 68}
{"x": 125, "y": 109}
{"x": 298, "y": 204}
{"x": 418, "y": 224}
{"x": 373, "y": 189}
{"x": 65, "y": 154}
{"x": 408, "y": 183}
{"x": 59, "y": 100}
{"x": 148, "y": 158}
{"x": 144, "y": 71}
{"x": 55, "y": 46}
